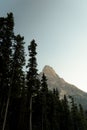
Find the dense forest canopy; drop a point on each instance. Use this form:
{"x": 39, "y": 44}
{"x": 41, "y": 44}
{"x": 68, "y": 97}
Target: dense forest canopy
{"x": 26, "y": 103}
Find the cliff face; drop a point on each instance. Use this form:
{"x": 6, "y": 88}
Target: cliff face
{"x": 64, "y": 88}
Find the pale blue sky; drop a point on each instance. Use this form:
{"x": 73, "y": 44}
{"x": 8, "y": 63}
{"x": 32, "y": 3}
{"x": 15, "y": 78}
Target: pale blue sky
{"x": 60, "y": 30}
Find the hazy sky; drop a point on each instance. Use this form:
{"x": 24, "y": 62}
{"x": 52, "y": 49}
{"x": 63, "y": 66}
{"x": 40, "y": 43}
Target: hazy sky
{"x": 60, "y": 30}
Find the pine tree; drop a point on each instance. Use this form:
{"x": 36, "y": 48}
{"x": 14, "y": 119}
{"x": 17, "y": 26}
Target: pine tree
{"x": 74, "y": 115}
{"x": 44, "y": 91}
{"x": 6, "y": 37}
{"x": 17, "y": 66}
{"x": 65, "y": 114}
{"x": 11, "y": 69}
{"x": 17, "y": 80}
{"x": 55, "y": 110}
{"x": 32, "y": 79}
{"x": 82, "y": 119}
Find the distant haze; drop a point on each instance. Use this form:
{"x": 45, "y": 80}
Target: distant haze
{"x": 60, "y": 30}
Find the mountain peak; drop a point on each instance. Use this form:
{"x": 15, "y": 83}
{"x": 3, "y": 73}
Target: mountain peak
{"x": 64, "y": 88}
{"x": 47, "y": 67}
{"x": 48, "y": 70}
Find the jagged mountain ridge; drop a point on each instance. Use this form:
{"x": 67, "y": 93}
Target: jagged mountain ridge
{"x": 64, "y": 88}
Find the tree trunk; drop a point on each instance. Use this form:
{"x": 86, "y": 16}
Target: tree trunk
{"x": 42, "y": 119}
{"x": 31, "y": 112}
{"x": 6, "y": 110}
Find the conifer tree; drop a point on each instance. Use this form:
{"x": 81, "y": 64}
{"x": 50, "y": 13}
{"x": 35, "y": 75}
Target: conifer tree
{"x": 44, "y": 91}
{"x": 82, "y": 119}
{"x": 65, "y": 114}
{"x": 6, "y": 37}
{"x": 74, "y": 115}
{"x": 17, "y": 80}
{"x": 55, "y": 110}
{"x": 11, "y": 68}
{"x": 17, "y": 66}
{"x": 32, "y": 79}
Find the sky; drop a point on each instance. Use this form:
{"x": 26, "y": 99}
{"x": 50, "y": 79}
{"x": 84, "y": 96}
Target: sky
{"x": 59, "y": 28}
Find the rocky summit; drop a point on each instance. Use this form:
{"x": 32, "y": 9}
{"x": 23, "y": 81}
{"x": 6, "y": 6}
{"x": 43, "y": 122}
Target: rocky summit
{"x": 64, "y": 88}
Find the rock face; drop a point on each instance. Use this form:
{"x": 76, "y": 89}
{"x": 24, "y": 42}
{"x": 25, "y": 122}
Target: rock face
{"x": 64, "y": 88}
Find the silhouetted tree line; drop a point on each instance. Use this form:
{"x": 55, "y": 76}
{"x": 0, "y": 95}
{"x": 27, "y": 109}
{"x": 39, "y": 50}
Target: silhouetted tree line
{"x": 26, "y": 103}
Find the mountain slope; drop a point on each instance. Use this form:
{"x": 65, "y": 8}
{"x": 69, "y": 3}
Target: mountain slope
{"x": 64, "y": 88}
